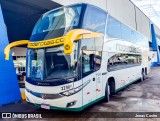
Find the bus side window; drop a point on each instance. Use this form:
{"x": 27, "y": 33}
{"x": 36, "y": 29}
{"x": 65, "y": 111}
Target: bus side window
{"x": 126, "y": 34}
{"x": 140, "y": 40}
{"x": 121, "y": 61}
{"x": 95, "y": 19}
{"x": 87, "y": 66}
{"x": 114, "y": 27}
{"x": 88, "y": 51}
{"x": 97, "y": 60}
{"x": 91, "y": 61}
{"x": 133, "y": 36}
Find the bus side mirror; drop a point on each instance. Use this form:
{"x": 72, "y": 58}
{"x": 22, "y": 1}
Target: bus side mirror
{"x": 68, "y": 41}
{"x": 73, "y": 35}
{"x": 77, "y": 34}
{"x": 13, "y": 44}
{"x": 91, "y": 58}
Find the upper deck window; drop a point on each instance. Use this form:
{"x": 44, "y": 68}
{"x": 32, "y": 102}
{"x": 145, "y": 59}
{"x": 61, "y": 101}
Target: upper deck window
{"x": 114, "y": 27}
{"x": 94, "y": 19}
{"x": 66, "y": 17}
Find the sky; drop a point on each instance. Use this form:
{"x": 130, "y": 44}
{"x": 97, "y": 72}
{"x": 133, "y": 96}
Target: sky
{"x": 151, "y": 8}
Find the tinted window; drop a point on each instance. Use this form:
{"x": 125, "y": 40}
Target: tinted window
{"x": 126, "y": 33}
{"x": 121, "y": 61}
{"x": 133, "y": 36}
{"x": 91, "y": 58}
{"x": 97, "y": 60}
{"x": 141, "y": 40}
{"x": 88, "y": 44}
{"x": 86, "y": 62}
{"x": 99, "y": 43}
{"x": 64, "y": 17}
{"x": 119, "y": 30}
{"x": 113, "y": 27}
{"x": 95, "y": 19}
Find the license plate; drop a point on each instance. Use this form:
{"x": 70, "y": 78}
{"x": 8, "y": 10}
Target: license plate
{"x": 45, "y": 106}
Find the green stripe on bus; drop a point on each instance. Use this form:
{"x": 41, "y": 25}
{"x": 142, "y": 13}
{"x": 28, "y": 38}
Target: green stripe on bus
{"x": 87, "y": 105}
{"x": 126, "y": 85}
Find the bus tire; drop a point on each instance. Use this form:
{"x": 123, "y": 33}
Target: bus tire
{"x": 106, "y": 97}
{"x": 143, "y": 76}
{"x": 146, "y": 71}
{"x": 111, "y": 84}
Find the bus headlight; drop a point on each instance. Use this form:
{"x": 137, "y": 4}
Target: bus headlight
{"x": 74, "y": 90}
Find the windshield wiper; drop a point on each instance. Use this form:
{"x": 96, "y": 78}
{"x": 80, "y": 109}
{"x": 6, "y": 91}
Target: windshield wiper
{"x": 33, "y": 78}
{"x": 72, "y": 77}
{"x": 66, "y": 79}
{"x": 57, "y": 79}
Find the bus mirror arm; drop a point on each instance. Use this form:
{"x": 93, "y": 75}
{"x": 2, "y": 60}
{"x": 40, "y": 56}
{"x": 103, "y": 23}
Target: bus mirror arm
{"x": 13, "y": 44}
{"x": 77, "y": 34}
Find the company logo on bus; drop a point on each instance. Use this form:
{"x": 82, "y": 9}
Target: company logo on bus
{"x": 67, "y": 47}
{"x": 46, "y": 43}
{"x": 130, "y": 49}
{"x": 42, "y": 84}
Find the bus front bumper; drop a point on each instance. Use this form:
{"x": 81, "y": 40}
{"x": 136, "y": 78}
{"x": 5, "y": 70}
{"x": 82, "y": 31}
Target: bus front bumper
{"x": 71, "y": 103}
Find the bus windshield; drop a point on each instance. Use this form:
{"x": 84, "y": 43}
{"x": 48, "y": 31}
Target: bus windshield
{"x": 51, "y": 64}
{"x": 65, "y": 17}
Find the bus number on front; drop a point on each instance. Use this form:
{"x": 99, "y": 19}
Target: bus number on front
{"x": 66, "y": 87}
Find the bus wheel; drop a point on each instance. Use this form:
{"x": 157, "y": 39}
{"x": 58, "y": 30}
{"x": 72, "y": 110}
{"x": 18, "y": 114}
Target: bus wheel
{"x": 107, "y": 92}
{"x": 143, "y": 77}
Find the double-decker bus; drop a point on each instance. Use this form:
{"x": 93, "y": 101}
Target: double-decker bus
{"x": 80, "y": 54}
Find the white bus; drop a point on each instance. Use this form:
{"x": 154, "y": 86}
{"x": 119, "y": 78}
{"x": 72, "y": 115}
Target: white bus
{"x": 80, "y": 54}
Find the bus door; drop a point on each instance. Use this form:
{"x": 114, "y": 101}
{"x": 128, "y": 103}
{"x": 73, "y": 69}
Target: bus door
{"x": 98, "y": 85}
{"x": 88, "y": 72}
{"x": 97, "y": 64}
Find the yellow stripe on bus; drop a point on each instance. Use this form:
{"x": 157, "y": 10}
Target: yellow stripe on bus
{"x": 71, "y": 36}
{"x": 47, "y": 43}
{"x": 23, "y": 95}
{"x": 13, "y": 44}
